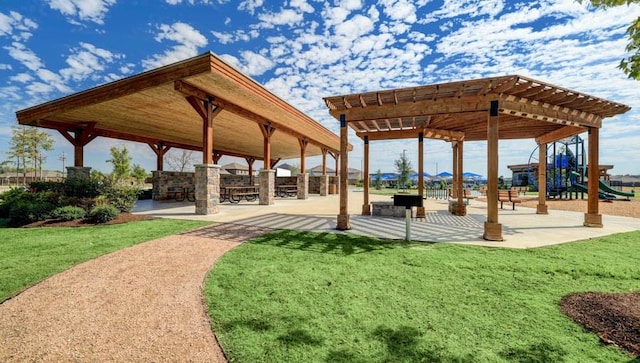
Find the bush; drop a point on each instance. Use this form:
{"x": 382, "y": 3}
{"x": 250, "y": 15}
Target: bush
{"x": 122, "y": 197}
{"x": 103, "y": 214}
{"x": 83, "y": 188}
{"x": 8, "y": 198}
{"x": 26, "y": 207}
{"x": 68, "y": 213}
{"x": 47, "y": 186}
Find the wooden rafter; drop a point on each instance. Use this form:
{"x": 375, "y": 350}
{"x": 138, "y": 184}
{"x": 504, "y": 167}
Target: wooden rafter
{"x": 559, "y": 134}
{"x": 548, "y": 113}
{"x": 412, "y": 133}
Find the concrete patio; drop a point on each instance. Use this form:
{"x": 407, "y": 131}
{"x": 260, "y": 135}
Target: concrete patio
{"x": 522, "y": 228}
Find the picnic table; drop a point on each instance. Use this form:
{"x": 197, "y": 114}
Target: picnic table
{"x": 180, "y": 194}
{"x": 235, "y": 193}
{"x": 286, "y": 190}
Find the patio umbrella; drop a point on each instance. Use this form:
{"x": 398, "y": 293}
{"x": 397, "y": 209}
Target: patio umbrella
{"x": 445, "y": 174}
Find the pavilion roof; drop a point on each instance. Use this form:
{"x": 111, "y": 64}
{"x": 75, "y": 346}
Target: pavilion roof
{"x": 156, "y": 106}
{"x": 458, "y": 110}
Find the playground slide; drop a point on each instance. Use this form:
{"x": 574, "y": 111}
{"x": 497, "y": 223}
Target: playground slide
{"x": 607, "y": 189}
{"x": 583, "y": 189}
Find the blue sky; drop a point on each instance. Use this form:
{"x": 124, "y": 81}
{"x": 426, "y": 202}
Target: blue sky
{"x": 303, "y": 50}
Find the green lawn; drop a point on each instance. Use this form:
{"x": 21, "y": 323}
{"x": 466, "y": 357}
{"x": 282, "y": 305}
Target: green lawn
{"x": 305, "y": 297}
{"x": 28, "y": 255}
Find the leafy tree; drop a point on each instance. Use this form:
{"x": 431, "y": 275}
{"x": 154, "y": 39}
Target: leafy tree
{"x": 121, "y": 161}
{"x": 180, "y": 161}
{"x": 403, "y": 167}
{"x": 138, "y": 173}
{"x": 631, "y": 65}
{"x": 379, "y": 179}
{"x": 26, "y": 146}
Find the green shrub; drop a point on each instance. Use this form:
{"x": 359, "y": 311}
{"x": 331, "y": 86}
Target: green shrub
{"x": 122, "y": 197}
{"x": 47, "y": 186}
{"x": 83, "y": 188}
{"x": 26, "y": 207}
{"x": 103, "y": 214}
{"x": 8, "y": 198}
{"x": 68, "y": 213}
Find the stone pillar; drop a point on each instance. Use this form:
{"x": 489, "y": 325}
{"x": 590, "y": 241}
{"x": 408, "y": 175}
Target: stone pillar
{"x": 303, "y": 186}
{"x": 78, "y": 172}
{"x": 207, "y": 188}
{"x": 267, "y": 178}
{"x": 324, "y": 185}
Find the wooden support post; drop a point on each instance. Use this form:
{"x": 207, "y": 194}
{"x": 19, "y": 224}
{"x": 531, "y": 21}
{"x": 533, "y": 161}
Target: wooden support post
{"x": 366, "y": 207}
{"x": 454, "y": 170}
{"x": 267, "y": 131}
{"x": 81, "y": 137}
{"x": 592, "y": 218}
{"x": 303, "y": 149}
{"x": 492, "y": 229}
{"x": 462, "y": 208}
{"x": 250, "y": 160}
{"x": 343, "y": 218}
{"x": 420, "y": 212}
{"x": 542, "y": 208}
{"x": 159, "y": 149}
{"x": 207, "y": 133}
{"x": 217, "y": 155}
{"x": 324, "y": 160}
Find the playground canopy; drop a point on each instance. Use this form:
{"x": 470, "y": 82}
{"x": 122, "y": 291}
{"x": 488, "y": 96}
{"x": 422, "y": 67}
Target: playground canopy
{"x": 505, "y": 107}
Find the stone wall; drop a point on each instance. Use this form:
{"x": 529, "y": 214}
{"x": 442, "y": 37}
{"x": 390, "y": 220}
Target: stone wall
{"x": 286, "y": 180}
{"x": 237, "y": 180}
{"x": 387, "y": 209}
{"x": 164, "y": 181}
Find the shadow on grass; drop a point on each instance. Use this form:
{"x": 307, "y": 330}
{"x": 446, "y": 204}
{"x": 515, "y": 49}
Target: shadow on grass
{"x": 402, "y": 345}
{"x": 536, "y": 353}
{"x": 339, "y": 244}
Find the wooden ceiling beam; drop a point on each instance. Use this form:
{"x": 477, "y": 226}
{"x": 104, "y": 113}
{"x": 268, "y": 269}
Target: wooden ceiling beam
{"x": 549, "y": 113}
{"x": 418, "y": 108}
{"x": 412, "y": 133}
{"x": 191, "y": 90}
{"x": 559, "y": 134}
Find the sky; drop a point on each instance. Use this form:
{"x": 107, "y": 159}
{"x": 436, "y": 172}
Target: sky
{"x": 303, "y": 50}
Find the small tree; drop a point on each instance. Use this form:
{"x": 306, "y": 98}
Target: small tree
{"x": 379, "y": 179}
{"x": 403, "y": 167}
{"x": 121, "y": 165}
{"x": 138, "y": 174}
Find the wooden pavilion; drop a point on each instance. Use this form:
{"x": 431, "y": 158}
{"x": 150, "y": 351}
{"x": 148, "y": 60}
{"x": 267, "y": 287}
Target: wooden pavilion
{"x": 491, "y": 109}
{"x": 200, "y": 104}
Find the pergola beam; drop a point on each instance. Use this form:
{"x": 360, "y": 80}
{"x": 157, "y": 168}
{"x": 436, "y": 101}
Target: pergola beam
{"x": 559, "y": 134}
{"x": 524, "y": 108}
{"x": 429, "y": 133}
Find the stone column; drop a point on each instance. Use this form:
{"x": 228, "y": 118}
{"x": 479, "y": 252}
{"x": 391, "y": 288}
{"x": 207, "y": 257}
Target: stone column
{"x": 267, "y": 178}
{"x": 324, "y": 185}
{"x": 207, "y": 190}
{"x": 78, "y": 172}
{"x": 303, "y": 186}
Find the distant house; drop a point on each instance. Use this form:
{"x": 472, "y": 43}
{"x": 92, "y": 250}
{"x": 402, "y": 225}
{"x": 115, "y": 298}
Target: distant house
{"x": 46, "y": 175}
{"x": 317, "y": 171}
{"x": 236, "y": 169}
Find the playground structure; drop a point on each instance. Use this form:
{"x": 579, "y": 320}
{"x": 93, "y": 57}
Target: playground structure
{"x": 566, "y": 172}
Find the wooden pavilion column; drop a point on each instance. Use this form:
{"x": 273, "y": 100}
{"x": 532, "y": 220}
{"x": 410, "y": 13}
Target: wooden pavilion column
{"x": 324, "y": 178}
{"x": 159, "y": 149}
{"x": 303, "y": 149}
{"x": 492, "y": 229}
{"x": 267, "y": 132}
{"x": 81, "y": 137}
{"x": 592, "y": 218}
{"x": 461, "y": 209}
{"x": 207, "y": 175}
{"x": 343, "y": 218}
{"x": 420, "y": 212}
{"x": 250, "y": 160}
{"x": 366, "y": 207}
{"x": 541, "y": 208}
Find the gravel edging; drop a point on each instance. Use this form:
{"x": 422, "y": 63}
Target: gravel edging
{"x": 142, "y": 303}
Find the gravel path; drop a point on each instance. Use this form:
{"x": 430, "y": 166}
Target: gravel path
{"x": 142, "y": 303}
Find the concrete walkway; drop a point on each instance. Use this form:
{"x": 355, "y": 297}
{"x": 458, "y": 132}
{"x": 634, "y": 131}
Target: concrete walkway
{"x": 522, "y": 228}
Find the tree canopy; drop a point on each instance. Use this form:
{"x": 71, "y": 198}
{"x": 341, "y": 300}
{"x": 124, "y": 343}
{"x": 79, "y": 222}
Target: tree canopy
{"x": 403, "y": 167}
{"x": 630, "y": 65}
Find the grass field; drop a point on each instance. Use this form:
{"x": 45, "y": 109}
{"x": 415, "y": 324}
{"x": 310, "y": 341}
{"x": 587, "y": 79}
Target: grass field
{"x": 305, "y": 297}
{"x": 29, "y": 255}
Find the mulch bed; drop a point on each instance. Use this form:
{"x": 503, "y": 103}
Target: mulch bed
{"x": 121, "y": 218}
{"x": 615, "y": 318}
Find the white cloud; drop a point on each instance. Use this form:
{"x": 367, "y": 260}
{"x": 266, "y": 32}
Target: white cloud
{"x": 399, "y": 10}
{"x": 16, "y": 26}
{"x": 84, "y": 10}
{"x": 255, "y": 64}
{"x": 284, "y": 17}
{"x": 189, "y": 41}
{"x": 21, "y": 77}
{"x": 87, "y": 61}
{"x": 22, "y": 54}
{"x": 5, "y": 66}
{"x": 250, "y": 5}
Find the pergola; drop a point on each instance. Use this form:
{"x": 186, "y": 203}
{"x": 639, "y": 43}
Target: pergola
{"x": 200, "y": 104}
{"x": 491, "y": 109}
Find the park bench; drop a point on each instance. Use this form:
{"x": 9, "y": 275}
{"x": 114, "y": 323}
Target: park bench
{"x": 508, "y": 196}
